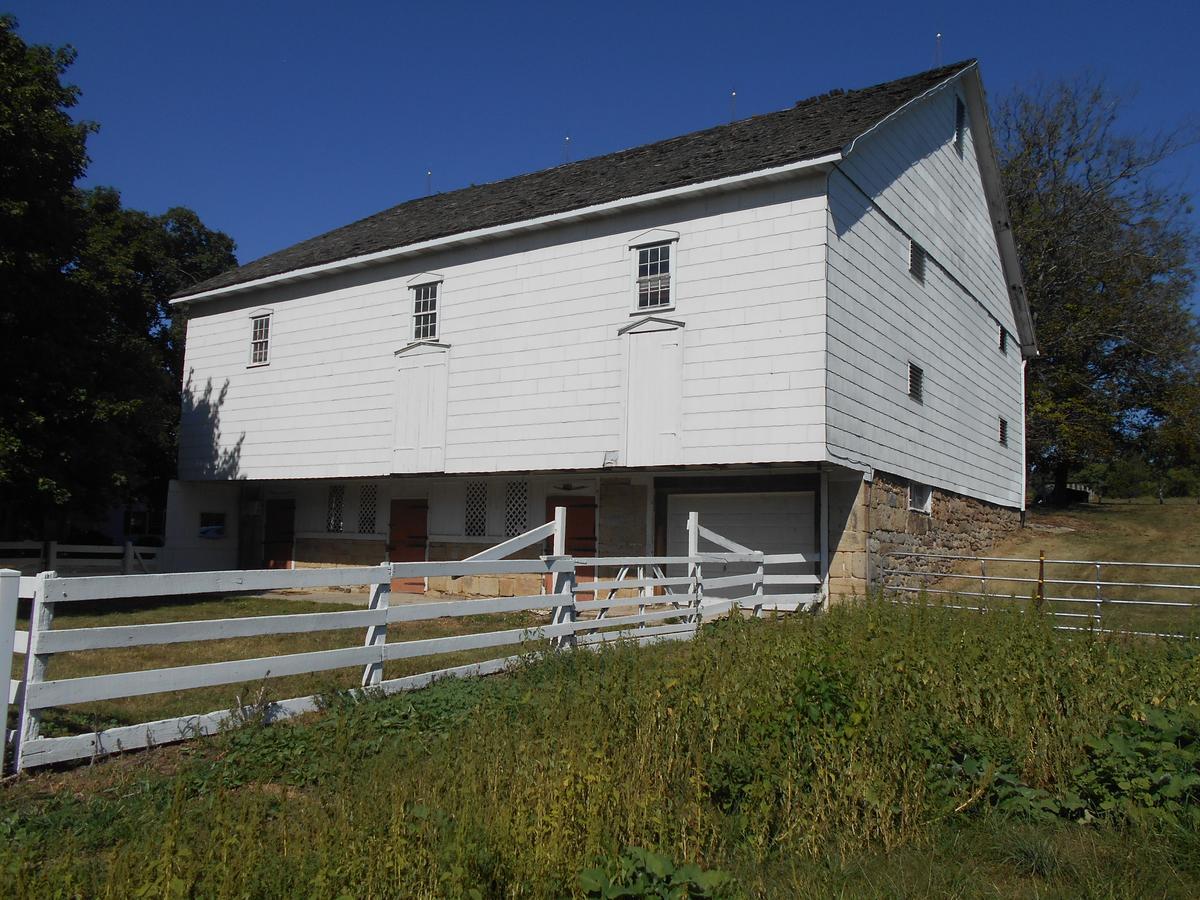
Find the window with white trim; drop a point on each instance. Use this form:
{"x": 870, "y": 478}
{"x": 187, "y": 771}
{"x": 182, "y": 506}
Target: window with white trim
{"x": 920, "y": 497}
{"x": 334, "y": 508}
{"x": 654, "y": 276}
{"x": 260, "y": 339}
{"x": 425, "y": 312}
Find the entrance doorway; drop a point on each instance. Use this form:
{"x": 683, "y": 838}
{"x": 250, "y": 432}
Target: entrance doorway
{"x": 279, "y": 533}
{"x": 581, "y": 532}
{"x": 408, "y": 537}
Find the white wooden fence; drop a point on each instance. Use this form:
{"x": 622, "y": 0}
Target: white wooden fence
{"x": 31, "y": 557}
{"x": 583, "y": 614}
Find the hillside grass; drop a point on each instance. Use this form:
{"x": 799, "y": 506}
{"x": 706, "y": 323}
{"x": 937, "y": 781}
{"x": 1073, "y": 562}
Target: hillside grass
{"x": 874, "y": 751}
{"x": 1121, "y": 531}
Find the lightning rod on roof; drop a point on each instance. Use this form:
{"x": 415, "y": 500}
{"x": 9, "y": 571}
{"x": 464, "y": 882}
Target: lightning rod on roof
{"x": 937, "y": 49}
{"x": 732, "y": 106}
{"x": 567, "y": 149}
{"x": 428, "y": 182}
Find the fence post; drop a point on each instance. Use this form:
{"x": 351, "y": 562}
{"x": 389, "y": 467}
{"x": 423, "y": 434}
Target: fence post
{"x": 40, "y": 621}
{"x": 1099, "y": 598}
{"x": 563, "y": 582}
{"x": 695, "y": 572}
{"x": 127, "y": 559}
{"x": 10, "y": 592}
{"x": 49, "y": 556}
{"x": 377, "y": 634}
{"x": 761, "y": 574}
{"x": 1041, "y": 584}
{"x": 983, "y": 579}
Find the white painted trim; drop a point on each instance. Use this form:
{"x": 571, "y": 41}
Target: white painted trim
{"x": 412, "y": 345}
{"x": 654, "y": 236}
{"x": 425, "y": 278}
{"x": 637, "y": 327}
{"x": 480, "y": 234}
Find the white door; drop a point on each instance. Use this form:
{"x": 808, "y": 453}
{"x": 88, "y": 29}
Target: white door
{"x": 654, "y": 397}
{"x": 421, "y": 415}
{"x": 776, "y": 522}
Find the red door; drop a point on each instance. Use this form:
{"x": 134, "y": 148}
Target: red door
{"x": 581, "y": 531}
{"x": 279, "y": 532}
{"x": 407, "y": 540}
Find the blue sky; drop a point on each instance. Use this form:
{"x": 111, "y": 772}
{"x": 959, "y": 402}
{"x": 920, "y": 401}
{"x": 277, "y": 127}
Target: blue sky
{"x": 277, "y": 121}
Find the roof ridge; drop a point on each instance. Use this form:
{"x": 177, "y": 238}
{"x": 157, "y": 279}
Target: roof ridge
{"x": 814, "y": 125}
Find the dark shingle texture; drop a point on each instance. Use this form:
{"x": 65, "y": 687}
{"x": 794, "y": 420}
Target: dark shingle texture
{"x": 811, "y": 128}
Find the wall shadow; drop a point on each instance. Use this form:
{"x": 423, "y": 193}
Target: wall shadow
{"x": 201, "y": 454}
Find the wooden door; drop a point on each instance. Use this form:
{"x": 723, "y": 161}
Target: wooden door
{"x": 408, "y": 540}
{"x": 654, "y": 398}
{"x": 279, "y": 533}
{"x": 581, "y": 532}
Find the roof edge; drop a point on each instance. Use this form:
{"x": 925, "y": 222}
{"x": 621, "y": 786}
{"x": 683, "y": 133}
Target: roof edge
{"x": 496, "y": 231}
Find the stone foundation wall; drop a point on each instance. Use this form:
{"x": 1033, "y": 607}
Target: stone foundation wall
{"x": 622, "y": 527}
{"x": 482, "y": 585}
{"x": 324, "y": 553}
{"x": 957, "y": 525}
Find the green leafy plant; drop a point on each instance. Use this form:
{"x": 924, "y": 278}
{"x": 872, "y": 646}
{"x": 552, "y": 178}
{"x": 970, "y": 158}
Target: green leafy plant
{"x": 641, "y": 873}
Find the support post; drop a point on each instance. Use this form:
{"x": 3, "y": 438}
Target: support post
{"x": 1099, "y": 597}
{"x": 50, "y": 556}
{"x": 823, "y": 500}
{"x": 377, "y": 634}
{"x": 40, "y": 621}
{"x": 761, "y": 574}
{"x": 695, "y": 572}
{"x": 563, "y": 582}
{"x": 1041, "y": 582}
{"x": 127, "y": 559}
{"x": 10, "y": 592}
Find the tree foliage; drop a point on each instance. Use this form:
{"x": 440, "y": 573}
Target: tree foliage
{"x": 1107, "y": 253}
{"x": 91, "y": 367}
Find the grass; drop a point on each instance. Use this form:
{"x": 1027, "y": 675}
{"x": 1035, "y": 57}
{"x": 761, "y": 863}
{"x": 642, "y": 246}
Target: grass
{"x": 874, "y": 751}
{"x": 1142, "y": 531}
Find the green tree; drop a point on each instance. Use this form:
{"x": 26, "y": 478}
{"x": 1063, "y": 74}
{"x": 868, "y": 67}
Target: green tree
{"x": 91, "y": 365}
{"x": 1107, "y": 254}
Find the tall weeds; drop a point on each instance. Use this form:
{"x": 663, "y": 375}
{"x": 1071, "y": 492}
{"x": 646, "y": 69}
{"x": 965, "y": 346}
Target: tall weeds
{"x": 866, "y": 730}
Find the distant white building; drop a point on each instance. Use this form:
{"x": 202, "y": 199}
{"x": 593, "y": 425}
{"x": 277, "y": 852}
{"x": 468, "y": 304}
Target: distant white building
{"x": 808, "y": 325}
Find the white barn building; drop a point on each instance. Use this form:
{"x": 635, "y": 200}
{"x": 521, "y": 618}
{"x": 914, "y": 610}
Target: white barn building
{"x": 808, "y": 325}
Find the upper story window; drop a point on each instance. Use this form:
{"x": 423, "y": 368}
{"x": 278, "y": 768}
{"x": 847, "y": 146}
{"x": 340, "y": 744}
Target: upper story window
{"x": 960, "y": 125}
{"x": 916, "y": 383}
{"x": 425, "y": 312}
{"x": 260, "y": 339}
{"x": 654, "y": 276}
{"x": 916, "y": 261}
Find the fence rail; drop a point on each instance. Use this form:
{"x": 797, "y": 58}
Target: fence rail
{"x": 640, "y": 602}
{"x": 1060, "y": 587}
{"x": 31, "y": 557}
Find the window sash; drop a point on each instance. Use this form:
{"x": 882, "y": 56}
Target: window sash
{"x": 654, "y": 276}
{"x": 425, "y": 312}
{"x": 260, "y": 340}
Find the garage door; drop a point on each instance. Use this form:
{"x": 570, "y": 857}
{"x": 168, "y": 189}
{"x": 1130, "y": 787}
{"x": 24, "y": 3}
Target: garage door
{"x": 775, "y": 522}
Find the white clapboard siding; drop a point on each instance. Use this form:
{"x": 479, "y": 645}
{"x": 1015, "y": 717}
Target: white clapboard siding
{"x": 535, "y": 371}
{"x": 906, "y": 182}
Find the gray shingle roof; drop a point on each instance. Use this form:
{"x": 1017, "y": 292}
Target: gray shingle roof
{"x": 811, "y": 128}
